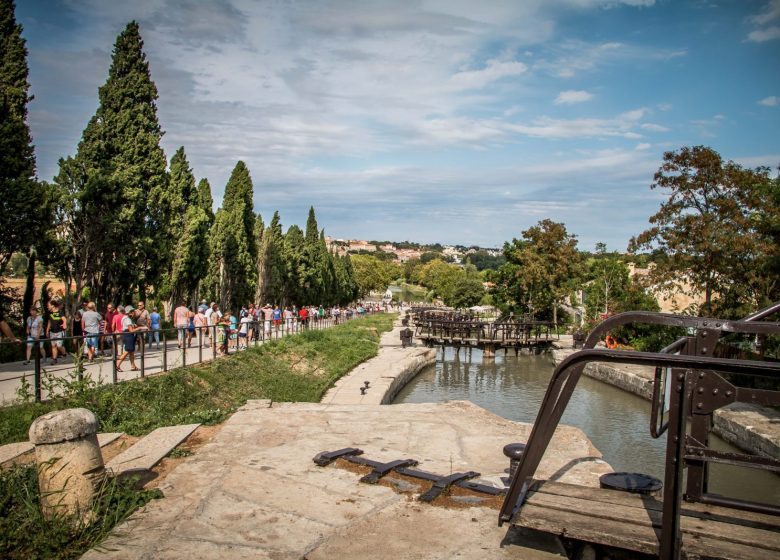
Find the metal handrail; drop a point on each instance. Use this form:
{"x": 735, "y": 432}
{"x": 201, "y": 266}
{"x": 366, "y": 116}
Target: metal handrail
{"x": 257, "y": 334}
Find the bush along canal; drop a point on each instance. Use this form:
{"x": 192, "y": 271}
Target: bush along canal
{"x": 617, "y": 422}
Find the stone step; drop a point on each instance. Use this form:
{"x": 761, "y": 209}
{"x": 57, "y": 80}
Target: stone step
{"x": 12, "y": 451}
{"x": 149, "y": 450}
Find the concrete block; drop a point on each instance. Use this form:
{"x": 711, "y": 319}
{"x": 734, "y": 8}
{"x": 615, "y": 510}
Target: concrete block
{"x": 147, "y": 452}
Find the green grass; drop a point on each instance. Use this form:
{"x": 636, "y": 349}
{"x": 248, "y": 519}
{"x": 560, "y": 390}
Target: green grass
{"x": 297, "y": 368}
{"x": 26, "y": 533}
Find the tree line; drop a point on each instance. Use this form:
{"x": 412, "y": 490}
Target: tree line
{"x": 120, "y": 221}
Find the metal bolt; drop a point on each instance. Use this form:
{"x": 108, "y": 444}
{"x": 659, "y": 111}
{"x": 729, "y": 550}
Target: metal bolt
{"x": 703, "y": 333}
{"x": 701, "y": 390}
{"x": 701, "y": 375}
{"x": 717, "y": 325}
{"x": 704, "y": 350}
{"x": 704, "y": 324}
{"x": 728, "y": 393}
{"x": 714, "y": 391}
{"x": 701, "y": 453}
{"x": 699, "y": 405}
{"x": 679, "y": 388}
{"x": 362, "y": 390}
{"x": 366, "y": 384}
{"x": 680, "y": 377}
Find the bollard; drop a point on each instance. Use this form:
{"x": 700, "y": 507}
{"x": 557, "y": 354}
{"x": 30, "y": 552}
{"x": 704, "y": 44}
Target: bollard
{"x": 70, "y": 465}
{"x": 514, "y": 451}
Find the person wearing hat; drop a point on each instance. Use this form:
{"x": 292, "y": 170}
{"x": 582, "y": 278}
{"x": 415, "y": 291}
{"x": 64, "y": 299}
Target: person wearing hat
{"x": 129, "y": 329}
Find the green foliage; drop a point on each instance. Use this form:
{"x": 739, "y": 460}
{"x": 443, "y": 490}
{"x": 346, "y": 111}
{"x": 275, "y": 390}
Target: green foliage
{"x": 233, "y": 263}
{"x": 710, "y": 232}
{"x": 372, "y": 274}
{"x": 272, "y": 267}
{"x": 541, "y": 269}
{"x": 26, "y": 533}
{"x": 104, "y": 192}
{"x": 25, "y": 203}
{"x": 484, "y": 260}
{"x": 468, "y": 290}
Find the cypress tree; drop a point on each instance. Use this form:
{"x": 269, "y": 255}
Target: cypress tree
{"x": 313, "y": 276}
{"x": 205, "y": 199}
{"x": 118, "y": 165}
{"x": 293, "y": 257}
{"x": 24, "y": 203}
{"x": 273, "y": 263}
{"x": 233, "y": 261}
{"x": 185, "y": 237}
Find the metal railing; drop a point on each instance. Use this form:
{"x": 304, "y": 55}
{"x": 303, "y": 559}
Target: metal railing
{"x": 206, "y": 339}
{"x": 698, "y": 389}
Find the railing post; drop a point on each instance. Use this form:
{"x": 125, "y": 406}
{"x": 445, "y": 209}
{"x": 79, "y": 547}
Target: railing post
{"x": 114, "y": 356}
{"x": 184, "y": 349}
{"x": 214, "y": 343}
{"x": 143, "y": 353}
{"x": 165, "y": 350}
{"x": 37, "y": 374}
{"x": 200, "y": 345}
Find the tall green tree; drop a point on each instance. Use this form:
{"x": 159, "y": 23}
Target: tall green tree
{"x": 314, "y": 264}
{"x": 118, "y": 164}
{"x": 205, "y": 199}
{"x": 233, "y": 250}
{"x": 540, "y": 270}
{"x": 25, "y": 205}
{"x": 185, "y": 237}
{"x": 293, "y": 250}
{"x": 709, "y": 230}
{"x": 272, "y": 263}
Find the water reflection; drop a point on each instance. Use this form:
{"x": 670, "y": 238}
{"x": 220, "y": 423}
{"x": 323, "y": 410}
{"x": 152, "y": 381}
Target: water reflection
{"x": 617, "y": 422}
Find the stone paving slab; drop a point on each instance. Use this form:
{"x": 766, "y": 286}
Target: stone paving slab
{"x": 254, "y": 492}
{"x": 147, "y": 452}
{"x": 12, "y": 451}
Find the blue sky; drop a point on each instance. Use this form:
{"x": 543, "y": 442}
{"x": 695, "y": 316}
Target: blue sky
{"x": 451, "y": 121}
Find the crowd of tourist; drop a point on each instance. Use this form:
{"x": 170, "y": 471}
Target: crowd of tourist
{"x": 206, "y": 325}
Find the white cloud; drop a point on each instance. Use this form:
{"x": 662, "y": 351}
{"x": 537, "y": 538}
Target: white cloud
{"x": 771, "y": 101}
{"x": 571, "y": 96}
{"x": 770, "y": 13}
{"x": 643, "y": 146}
{"x": 653, "y": 127}
{"x": 763, "y": 35}
{"x": 494, "y": 70}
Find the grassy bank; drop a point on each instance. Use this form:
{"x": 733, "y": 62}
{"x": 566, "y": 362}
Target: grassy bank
{"x": 296, "y": 368}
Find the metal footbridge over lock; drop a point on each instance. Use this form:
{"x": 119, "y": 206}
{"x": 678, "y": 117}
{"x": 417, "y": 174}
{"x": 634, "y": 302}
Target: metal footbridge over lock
{"x": 694, "y": 378}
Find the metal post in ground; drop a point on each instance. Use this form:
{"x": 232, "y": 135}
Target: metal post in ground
{"x": 165, "y": 350}
{"x": 200, "y": 344}
{"x": 37, "y": 375}
{"x": 184, "y": 349}
{"x": 114, "y": 356}
{"x": 143, "y": 352}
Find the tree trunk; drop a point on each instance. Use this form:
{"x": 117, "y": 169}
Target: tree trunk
{"x": 29, "y": 288}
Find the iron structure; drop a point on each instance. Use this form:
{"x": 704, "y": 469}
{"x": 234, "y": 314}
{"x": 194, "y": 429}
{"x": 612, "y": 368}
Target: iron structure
{"x": 689, "y": 375}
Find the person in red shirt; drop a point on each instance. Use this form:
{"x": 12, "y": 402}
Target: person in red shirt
{"x": 303, "y": 314}
{"x": 109, "y": 317}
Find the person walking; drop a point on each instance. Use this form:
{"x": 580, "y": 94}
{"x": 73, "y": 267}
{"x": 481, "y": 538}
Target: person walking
{"x": 108, "y": 328}
{"x": 201, "y": 324}
{"x": 34, "y": 330}
{"x": 154, "y": 323}
{"x": 56, "y": 330}
{"x": 181, "y": 320}
{"x": 90, "y": 324}
{"x": 128, "y": 330}
{"x": 142, "y": 320}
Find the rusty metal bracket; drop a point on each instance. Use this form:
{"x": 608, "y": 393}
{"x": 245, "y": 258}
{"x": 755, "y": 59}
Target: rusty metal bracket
{"x": 445, "y": 482}
{"x": 327, "y": 457}
{"x": 440, "y": 483}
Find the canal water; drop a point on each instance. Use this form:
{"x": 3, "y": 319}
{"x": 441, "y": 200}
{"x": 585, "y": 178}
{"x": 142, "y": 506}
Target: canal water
{"x": 617, "y": 422}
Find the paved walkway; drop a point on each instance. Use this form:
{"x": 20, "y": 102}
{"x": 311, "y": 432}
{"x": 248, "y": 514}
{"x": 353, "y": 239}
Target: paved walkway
{"x": 254, "y": 492}
{"x": 12, "y": 373}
